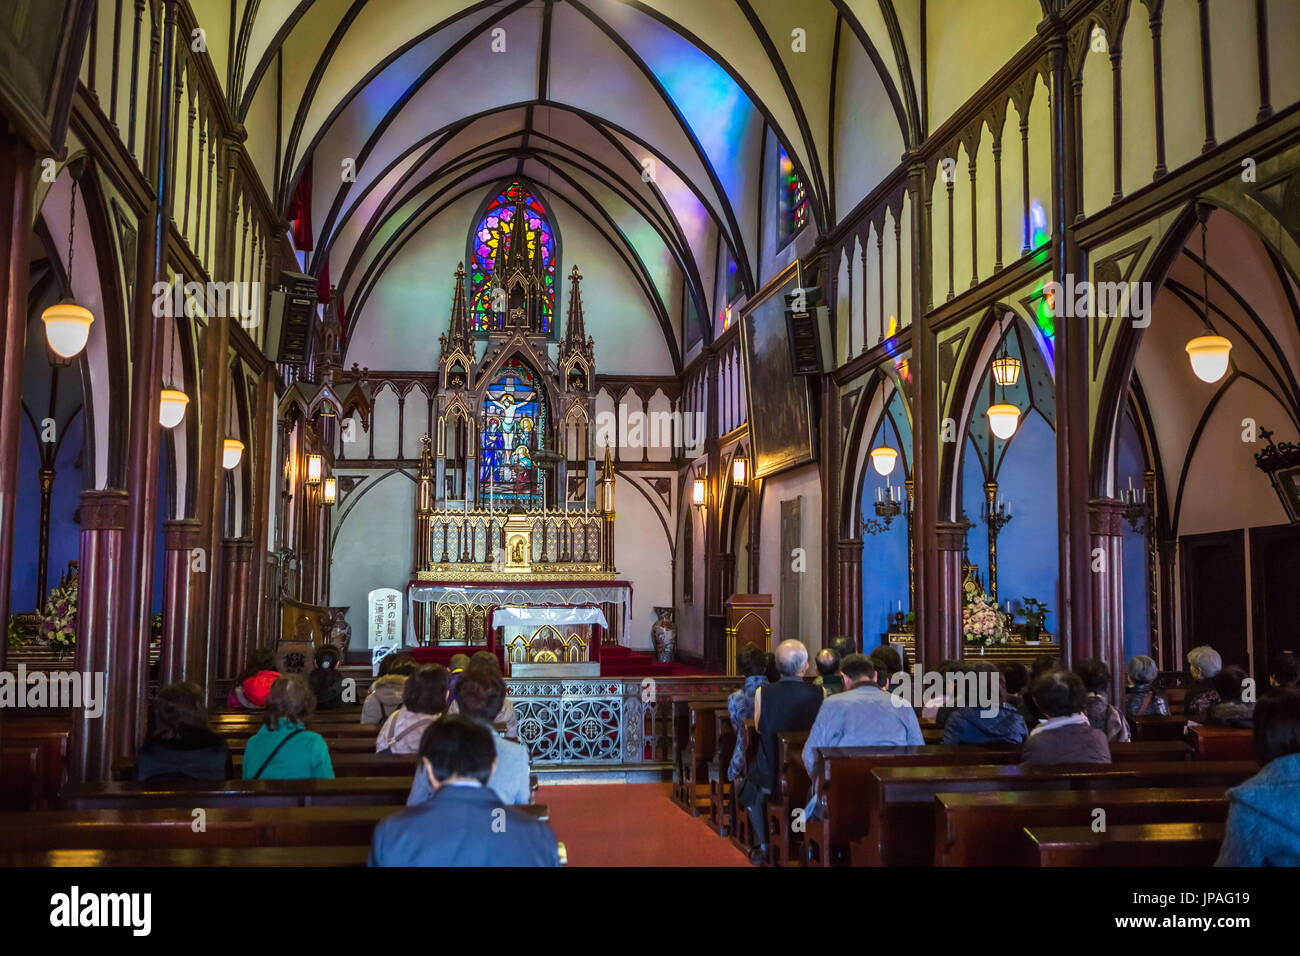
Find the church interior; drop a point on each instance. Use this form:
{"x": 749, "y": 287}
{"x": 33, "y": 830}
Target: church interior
{"x": 599, "y": 349}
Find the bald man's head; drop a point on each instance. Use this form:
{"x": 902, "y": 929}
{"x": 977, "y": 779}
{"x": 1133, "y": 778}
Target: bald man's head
{"x": 791, "y": 658}
{"x": 828, "y": 662}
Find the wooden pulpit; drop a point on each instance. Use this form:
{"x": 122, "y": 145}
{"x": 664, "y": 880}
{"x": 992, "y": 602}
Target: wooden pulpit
{"x": 749, "y": 621}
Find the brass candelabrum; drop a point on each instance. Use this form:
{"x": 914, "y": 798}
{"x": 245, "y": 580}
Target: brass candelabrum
{"x": 996, "y": 514}
{"x": 890, "y": 503}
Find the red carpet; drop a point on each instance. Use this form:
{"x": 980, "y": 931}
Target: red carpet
{"x": 632, "y": 824}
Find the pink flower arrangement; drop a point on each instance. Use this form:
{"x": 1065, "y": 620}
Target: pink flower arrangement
{"x": 58, "y": 627}
{"x": 981, "y": 621}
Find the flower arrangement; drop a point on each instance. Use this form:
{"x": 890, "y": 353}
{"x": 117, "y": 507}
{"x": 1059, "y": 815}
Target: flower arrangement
{"x": 981, "y": 621}
{"x": 59, "y": 618}
{"x": 14, "y": 632}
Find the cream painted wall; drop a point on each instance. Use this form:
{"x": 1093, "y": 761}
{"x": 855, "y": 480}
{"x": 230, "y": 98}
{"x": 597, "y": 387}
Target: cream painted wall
{"x": 803, "y": 482}
{"x": 373, "y": 537}
{"x": 644, "y": 557}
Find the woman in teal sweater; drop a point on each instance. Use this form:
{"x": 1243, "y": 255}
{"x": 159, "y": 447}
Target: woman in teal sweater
{"x": 1264, "y": 812}
{"x": 284, "y": 749}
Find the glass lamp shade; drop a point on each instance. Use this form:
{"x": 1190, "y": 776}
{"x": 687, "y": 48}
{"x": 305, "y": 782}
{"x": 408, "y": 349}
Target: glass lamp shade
{"x": 330, "y": 493}
{"x": 171, "y": 407}
{"x": 1209, "y": 356}
{"x": 231, "y": 451}
{"x": 313, "y": 469}
{"x": 739, "y": 470}
{"x": 67, "y": 327}
{"x": 883, "y": 460}
{"x": 697, "y": 492}
{"x": 1006, "y": 370}
{"x": 1003, "y": 419}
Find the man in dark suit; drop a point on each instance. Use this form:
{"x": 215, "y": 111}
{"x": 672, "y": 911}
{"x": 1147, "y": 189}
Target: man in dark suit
{"x": 465, "y": 823}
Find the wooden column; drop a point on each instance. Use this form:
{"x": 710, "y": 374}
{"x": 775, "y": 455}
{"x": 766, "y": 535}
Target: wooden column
{"x": 17, "y": 164}
{"x": 945, "y": 640}
{"x": 1072, "y": 413}
{"x": 181, "y": 581}
{"x": 1106, "y": 523}
{"x": 237, "y": 604}
{"x": 850, "y": 565}
{"x": 99, "y": 603}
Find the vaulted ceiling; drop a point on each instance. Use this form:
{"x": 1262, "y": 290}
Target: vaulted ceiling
{"x": 646, "y": 118}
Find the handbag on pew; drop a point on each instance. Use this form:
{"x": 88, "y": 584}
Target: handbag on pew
{"x": 267, "y": 762}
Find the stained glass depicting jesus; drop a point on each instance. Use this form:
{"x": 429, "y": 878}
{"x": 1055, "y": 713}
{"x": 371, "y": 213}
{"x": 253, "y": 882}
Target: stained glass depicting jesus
{"x": 513, "y": 416}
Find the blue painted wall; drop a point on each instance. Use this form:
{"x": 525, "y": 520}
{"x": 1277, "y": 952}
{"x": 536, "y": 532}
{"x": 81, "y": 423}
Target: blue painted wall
{"x": 64, "y": 498}
{"x": 1130, "y": 464}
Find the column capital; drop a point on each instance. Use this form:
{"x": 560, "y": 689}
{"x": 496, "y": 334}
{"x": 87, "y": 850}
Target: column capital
{"x": 103, "y": 509}
{"x": 950, "y": 535}
{"x": 1106, "y": 516}
{"x": 181, "y": 534}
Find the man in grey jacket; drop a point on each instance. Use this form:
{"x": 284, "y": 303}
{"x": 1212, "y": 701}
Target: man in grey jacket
{"x": 479, "y": 694}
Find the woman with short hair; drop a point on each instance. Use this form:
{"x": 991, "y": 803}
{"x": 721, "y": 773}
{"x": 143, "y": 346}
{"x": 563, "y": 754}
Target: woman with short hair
{"x": 1204, "y": 663}
{"x": 1231, "y": 710}
{"x": 284, "y": 749}
{"x": 1264, "y": 812}
{"x": 1142, "y": 699}
{"x": 385, "y": 694}
{"x": 1064, "y": 735}
{"x": 182, "y": 747}
{"x": 1095, "y": 676}
{"x": 424, "y": 700}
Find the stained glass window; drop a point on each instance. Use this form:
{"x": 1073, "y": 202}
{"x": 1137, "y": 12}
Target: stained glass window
{"x": 514, "y": 421}
{"x": 493, "y": 233}
{"x": 794, "y": 199}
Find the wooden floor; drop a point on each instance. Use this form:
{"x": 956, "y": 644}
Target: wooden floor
{"x": 632, "y": 824}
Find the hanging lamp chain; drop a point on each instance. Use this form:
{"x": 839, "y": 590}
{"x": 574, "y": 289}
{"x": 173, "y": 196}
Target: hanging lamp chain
{"x": 72, "y": 228}
{"x": 1205, "y": 275}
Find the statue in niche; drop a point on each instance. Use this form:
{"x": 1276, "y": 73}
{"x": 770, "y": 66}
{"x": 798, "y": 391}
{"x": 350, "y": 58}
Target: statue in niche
{"x": 517, "y": 551}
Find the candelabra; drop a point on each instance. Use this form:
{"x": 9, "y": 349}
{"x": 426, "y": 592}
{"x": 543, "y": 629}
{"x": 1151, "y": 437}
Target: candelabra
{"x": 1136, "y": 511}
{"x": 996, "y": 514}
{"x": 890, "y": 503}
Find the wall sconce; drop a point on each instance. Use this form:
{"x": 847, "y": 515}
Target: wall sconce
{"x": 330, "y": 493}
{"x": 231, "y": 451}
{"x": 697, "y": 492}
{"x": 739, "y": 469}
{"x": 314, "y": 468}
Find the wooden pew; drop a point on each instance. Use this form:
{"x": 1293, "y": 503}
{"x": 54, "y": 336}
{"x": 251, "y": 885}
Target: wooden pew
{"x": 1221, "y": 743}
{"x": 279, "y": 856}
{"x": 368, "y": 764}
{"x": 174, "y": 828}
{"x": 36, "y": 765}
{"x": 720, "y": 787}
{"x": 698, "y": 751}
{"x": 742, "y": 833}
{"x": 341, "y": 791}
{"x": 1155, "y": 727}
{"x": 1143, "y": 844}
{"x": 679, "y": 737}
{"x": 988, "y": 829}
{"x": 900, "y": 800}
{"x": 337, "y": 745}
{"x": 785, "y": 844}
{"x": 844, "y": 785}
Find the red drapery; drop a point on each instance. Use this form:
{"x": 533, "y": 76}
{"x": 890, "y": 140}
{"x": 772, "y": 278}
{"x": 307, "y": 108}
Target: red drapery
{"x": 299, "y": 211}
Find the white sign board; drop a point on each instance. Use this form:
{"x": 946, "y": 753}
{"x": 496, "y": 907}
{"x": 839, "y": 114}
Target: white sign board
{"x": 385, "y": 619}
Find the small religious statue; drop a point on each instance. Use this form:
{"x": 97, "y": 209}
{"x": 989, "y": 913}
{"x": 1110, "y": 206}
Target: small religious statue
{"x": 663, "y": 635}
{"x": 517, "y": 552}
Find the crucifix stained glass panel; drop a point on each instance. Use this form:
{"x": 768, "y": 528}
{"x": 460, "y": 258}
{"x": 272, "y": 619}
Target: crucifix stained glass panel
{"x": 514, "y": 421}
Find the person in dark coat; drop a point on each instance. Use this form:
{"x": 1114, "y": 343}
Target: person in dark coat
{"x": 999, "y": 723}
{"x": 182, "y": 747}
{"x": 1064, "y": 735}
{"x": 325, "y": 681}
{"x": 1263, "y": 826}
{"x": 788, "y": 704}
{"x": 1230, "y": 710}
{"x": 464, "y": 823}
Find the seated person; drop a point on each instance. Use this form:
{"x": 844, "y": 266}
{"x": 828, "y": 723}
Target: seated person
{"x": 862, "y": 716}
{"x": 252, "y": 685}
{"x": 182, "y": 747}
{"x": 1064, "y": 735}
{"x": 325, "y": 681}
{"x": 284, "y": 749}
{"x": 1203, "y": 663}
{"x": 1015, "y": 678}
{"x": 751, "y": 662}
{"x": 1043, "y": 664}
{"x": 828, "y": 672}
{"x": 507, "y": 715}
{"x": 1264, "y": 812}
{"x": 1284, "y": 670}
{"x": 887, "y": 662}
{"x": 1230, "y": 710}
{"x": 975, "y": 723}
{"x": 1101, "y": 712}
{"x": 457, "y": 666}
{"x": 479, "y": 694}
{"x": 385, "y": 694}
{"x": 424, "y": 698}
{"x": 463, "y": 822}
{"x": 1142, "y": 698}
{"x": 938, "y": 711}
{"x": 789, "y": 704}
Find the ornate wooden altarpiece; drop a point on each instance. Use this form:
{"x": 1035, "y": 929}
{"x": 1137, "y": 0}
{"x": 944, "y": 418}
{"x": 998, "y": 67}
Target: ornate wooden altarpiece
{"x": 508, "y": 505}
